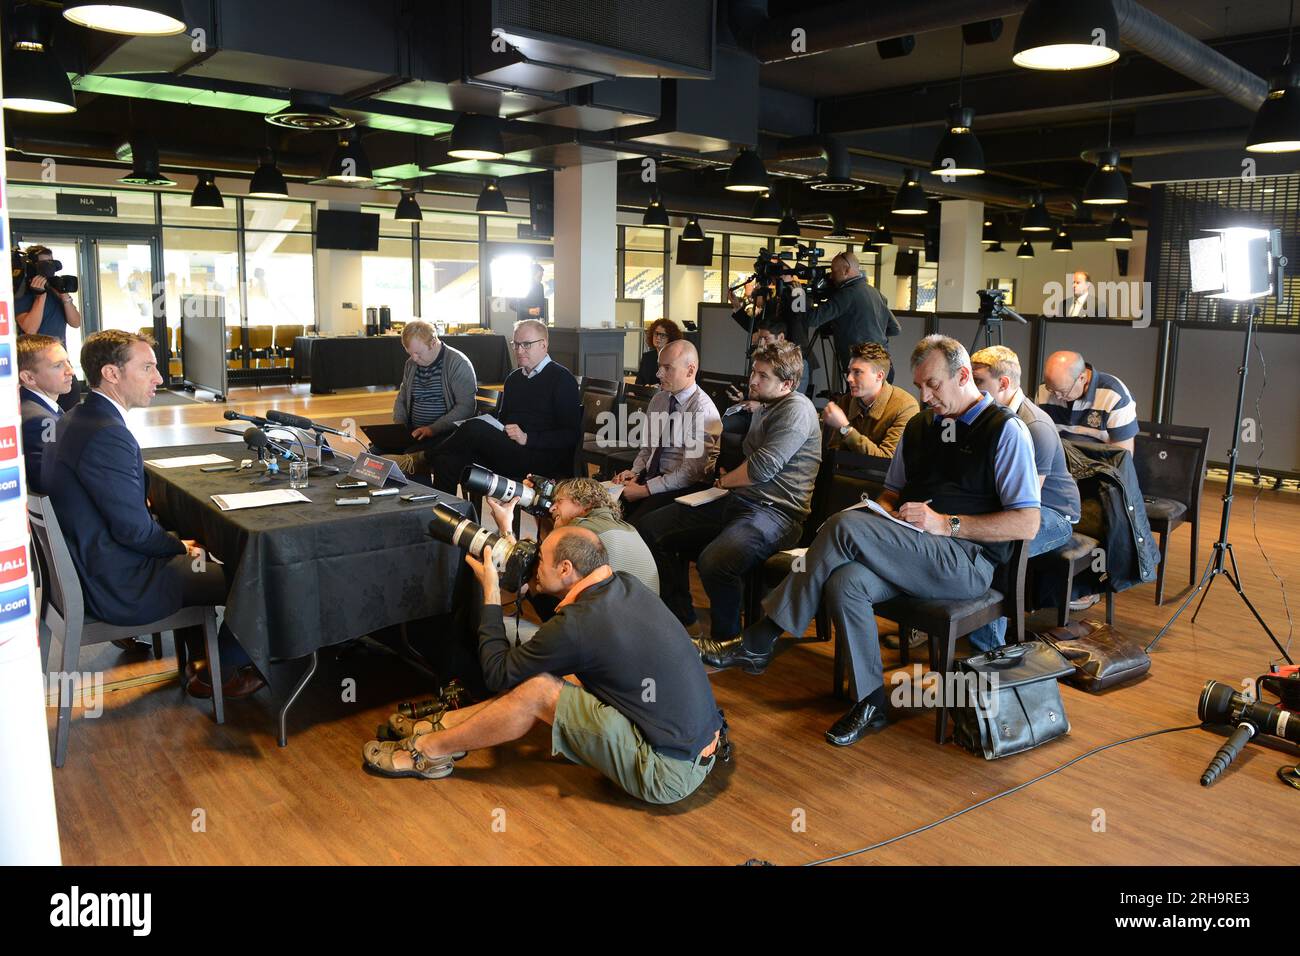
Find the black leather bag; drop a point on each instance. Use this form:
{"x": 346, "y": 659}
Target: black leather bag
{"x": 1013, "y": 702}
{"x": 1101, "y": 656}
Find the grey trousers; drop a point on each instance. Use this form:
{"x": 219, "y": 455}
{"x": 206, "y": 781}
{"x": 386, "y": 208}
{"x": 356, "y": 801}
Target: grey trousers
{"x": 859, "y": 559}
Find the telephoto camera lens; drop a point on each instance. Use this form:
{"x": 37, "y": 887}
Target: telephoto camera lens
{"x": 515, "y": 561}
{"x": 536, "y": 500}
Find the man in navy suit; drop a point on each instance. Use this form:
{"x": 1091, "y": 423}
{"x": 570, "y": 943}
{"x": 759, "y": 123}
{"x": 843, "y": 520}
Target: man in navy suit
{"x": 131, "y": 570}
{"x": 44, "y": 373}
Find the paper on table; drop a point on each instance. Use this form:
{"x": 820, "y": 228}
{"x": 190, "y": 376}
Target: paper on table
{"x": 258, "y": 499}
{"x": 614, "y": 488}
{"x": 703, "y": 497}
{"x": 490, "y": 419}
{"x": 187, "y": 461}
{"x": 876, "y": 509}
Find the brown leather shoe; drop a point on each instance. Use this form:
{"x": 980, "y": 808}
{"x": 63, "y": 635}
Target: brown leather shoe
{"x": 242, "y": 683}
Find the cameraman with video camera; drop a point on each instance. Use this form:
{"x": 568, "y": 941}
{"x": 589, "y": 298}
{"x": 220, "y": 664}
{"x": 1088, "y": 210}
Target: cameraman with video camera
{"x": 43, "y": 303}
{"x": 855, "y": 311}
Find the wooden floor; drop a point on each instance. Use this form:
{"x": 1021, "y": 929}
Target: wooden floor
{"x": 137, "y": 777}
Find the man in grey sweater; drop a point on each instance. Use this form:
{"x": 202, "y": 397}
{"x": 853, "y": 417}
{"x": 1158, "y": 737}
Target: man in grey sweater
{"x": 770, "y": 495}
{"x": 438, "y": 390}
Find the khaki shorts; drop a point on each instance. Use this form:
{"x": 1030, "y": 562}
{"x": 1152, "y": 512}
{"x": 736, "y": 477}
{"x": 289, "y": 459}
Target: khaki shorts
{"x": 596, "y": 735}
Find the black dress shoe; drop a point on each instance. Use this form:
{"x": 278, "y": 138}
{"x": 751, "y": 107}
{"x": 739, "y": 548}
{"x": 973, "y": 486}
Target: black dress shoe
{"x": 865, "y": 718}
{"x": 732, "y": 653}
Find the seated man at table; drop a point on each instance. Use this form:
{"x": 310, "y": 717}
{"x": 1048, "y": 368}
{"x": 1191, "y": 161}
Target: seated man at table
{"x": 965, "y": 455}
{"x": 681, "y": 438}
{"x": 131, "y": 570}
{"x": 44, "y": 374}
{"x": 584, "y": 503}
{"x": 438, "y": 390}
{"x": 541, "y": 414}
{"x": 1086, "y": 403}
{"x": 769, "y": 497}
{"x": 618, "y": 640}
{"x": 875, "y": 413}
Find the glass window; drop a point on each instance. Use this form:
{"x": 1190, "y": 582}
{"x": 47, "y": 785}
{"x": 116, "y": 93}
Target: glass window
{"x": 281, "y": 279}
{"x": 438, "y": 224}
{"x": 505, "y": 228}
{"x": 643, "y": 278}
{"x": 386, "y": 278}
{"x": 927, "y": 285}
{"x": 634, "y": 237}
{"x": 38, "y": 202}
{"x": 285, "y": 215}
{"x": 388, "y": 226}
{"x": 449, "y": 282}
{"x": 176, "y": 211}
{"x": 200, "y": 262}
{"x": 744, "y": 250}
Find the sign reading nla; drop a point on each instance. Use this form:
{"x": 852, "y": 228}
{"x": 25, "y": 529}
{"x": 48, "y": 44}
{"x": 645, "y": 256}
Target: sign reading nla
{"x": 1236, "y": 264}
{"x": 512, "y": 276}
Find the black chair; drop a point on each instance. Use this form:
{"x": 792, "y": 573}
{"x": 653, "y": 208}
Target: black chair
{"x": 948, "y": 620}
{"x": 641, "y": 393}
{"x": 609, "y": 460}
{"x": 65, "y": 617}
{"x": 595, "y": 405}
{"x": 1070, "y": 559}
{"x": 1170, "y": 465}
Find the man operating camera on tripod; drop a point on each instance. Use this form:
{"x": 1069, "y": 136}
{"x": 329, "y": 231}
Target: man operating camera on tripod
{"x": 855, "y": 311}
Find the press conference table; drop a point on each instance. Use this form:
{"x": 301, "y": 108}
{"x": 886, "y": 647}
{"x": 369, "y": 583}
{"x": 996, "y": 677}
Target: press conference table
{"x": 356, "y": 361}
{"x": 308, "y": 575}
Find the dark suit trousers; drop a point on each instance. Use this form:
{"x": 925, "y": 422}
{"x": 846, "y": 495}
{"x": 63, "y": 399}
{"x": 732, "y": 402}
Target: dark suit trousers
{"x": 478, "y": 443}
{"x": 635, "y": 511}
{"x": 203, "y": 587}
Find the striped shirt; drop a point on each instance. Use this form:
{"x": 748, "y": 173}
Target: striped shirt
{"x": 626, "y": 548}
{"x": 428, "y": 396}
{"x": 1105, "y": 413}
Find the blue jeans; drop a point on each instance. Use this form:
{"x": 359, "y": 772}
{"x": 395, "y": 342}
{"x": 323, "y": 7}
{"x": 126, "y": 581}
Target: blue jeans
{"x": 727, "y": 538}
{"x": 1054, "y": 530}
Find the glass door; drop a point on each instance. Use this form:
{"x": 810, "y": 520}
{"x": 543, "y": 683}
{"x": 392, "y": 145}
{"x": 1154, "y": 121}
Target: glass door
{"x": 67, "y": 250}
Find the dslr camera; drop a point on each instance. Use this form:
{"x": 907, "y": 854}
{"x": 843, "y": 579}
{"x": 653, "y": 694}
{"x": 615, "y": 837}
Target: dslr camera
{"x": 515, "y": 561}
{"x": 27, "y": 266}
{"x": 536, "y": 500}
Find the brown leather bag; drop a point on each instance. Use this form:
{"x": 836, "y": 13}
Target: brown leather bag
{"x": 1102, "y": 657}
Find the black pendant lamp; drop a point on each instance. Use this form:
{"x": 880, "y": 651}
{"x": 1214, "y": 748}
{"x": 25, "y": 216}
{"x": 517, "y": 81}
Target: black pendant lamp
{"x": 492, "y": 201}
{"x": 766, "y": 209}
{"x": 140, "y": 18}
{"x": 882, "y": 236}
{"x": 206, "y": 195}
{"x": 349, "y": 164}
{"x": 789, "y": 228}
{"x": 1106, "y": 185}
{"x": 959, "y": 152}
{"x": 1037, "y": 218}
{"x": 996, "y": 247}
{"x": 656, "y": 216}
{"x": 1276, "y": 128}
{"x": 1120, "y": 230}
{"x": 268, "y": 182}
{"x": 1026, "y": 250}
{"x": 747, "y": 173}
{"x": 910, "y": 199}
{"x": 476, "y": 137}
{"x": 990, "y": 234}
{"x": 1062, "y": 242}
{"x": 1067, "y": 35}
{"x": 693, "y": 232}
{"x": 145, "y": 167}
{"x": 408, "y": 210}
{"x": 34, "y": 79}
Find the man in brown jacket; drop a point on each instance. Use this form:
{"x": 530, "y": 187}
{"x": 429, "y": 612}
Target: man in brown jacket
{"x": 876, "y": 411}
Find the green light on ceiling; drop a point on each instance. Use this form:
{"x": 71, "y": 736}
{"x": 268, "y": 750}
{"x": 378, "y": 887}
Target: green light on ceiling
{"x": 167, "y": 93}
{"x": 477, "y": 167}
{"x": 398, "y": 124}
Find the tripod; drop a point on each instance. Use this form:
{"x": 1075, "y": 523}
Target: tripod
{"x": 1222, "y": 546}
{"x": 985, "y": 331}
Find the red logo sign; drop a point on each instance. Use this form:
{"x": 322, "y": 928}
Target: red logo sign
{"x": 4, "y": 317}
{"x": 8, "y": 442}
{"x": 13, "y": 565}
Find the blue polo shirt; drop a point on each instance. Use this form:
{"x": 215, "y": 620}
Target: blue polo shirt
{"x": 1013, "y": 461}
{"x": 1104, "y": 413}
{"x": 53, "y": 321}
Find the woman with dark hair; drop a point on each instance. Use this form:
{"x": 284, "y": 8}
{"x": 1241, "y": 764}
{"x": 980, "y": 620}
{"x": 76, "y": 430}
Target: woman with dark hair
{"x": 660, "y": 333}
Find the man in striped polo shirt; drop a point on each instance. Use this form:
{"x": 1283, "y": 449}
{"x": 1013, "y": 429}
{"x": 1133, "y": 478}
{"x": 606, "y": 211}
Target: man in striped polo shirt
{"x": 438, "y": 390}
{"x": 1087, "y": 405}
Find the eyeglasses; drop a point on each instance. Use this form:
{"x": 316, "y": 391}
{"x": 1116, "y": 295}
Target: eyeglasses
{"x": 517, "y": 346}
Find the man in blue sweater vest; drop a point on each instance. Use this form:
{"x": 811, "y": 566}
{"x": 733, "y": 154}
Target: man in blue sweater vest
{"x": 541, "y": 412}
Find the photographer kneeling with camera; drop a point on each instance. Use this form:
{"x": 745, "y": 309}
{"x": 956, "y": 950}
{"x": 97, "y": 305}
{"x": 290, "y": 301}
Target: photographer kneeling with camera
{"x": 645, "y": 715}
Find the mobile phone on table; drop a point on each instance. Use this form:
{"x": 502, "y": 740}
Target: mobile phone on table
{"x": 417, "y": 496}
{"x": 384, "y": 492}
{"x": 212, "y": 468}
{"x": 349, "y": 484}
{"x": 343, "y": 502}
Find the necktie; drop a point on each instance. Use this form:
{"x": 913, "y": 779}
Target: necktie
{"x": 652, "y": 469}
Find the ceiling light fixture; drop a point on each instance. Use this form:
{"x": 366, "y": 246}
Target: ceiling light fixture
{"x": 959, "y": 152}
{"x": 1276, "y": 128}
{"x": 1067, "y": 35}
{"x": 1062, "y": 242}
{"x": 138, "y": 18}
{"x": 1120, "y": 230}
{"x": 408, "y": 210}
{"x": 476, "y": 137}
{"x": 990, "y": 235}
{"x": 206, "y": 195}
{"x": 349, "y": 164}
{"x": 910, "y": 199}
{"x": 34, "y": 80}
{"x": 747, "y": 173}
{"x": 1036, "y": 218}
{"x": 268, "y": 182}
{"x": 1026, "y": 250}
{"x": 656, "y": 216}
{"x": 492, "y": 201}
{"x": 693, "y": 232}
{"x": 145, "y": 167}
{"x": 789, "y": 227}
{"x": 1106, "y": 186}
{"x": 766, "y": 209}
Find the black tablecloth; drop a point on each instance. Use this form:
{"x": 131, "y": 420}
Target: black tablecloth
{"x": 352, "y": 361}
{"x": 307, "y": 575}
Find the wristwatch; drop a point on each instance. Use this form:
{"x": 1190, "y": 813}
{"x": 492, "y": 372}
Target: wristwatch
{"x": 844, "y": 429}
{"x": 954, "y": 526}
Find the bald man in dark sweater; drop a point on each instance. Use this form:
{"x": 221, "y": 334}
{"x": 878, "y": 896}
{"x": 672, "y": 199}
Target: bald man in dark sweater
{"x": 542, "y": 414}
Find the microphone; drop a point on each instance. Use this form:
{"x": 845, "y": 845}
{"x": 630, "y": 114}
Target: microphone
{"x": 228, "y": 431}
{"x": 233, "y": 416}
{"x": 254, "y": 437}
{"x": 297, "y": 421}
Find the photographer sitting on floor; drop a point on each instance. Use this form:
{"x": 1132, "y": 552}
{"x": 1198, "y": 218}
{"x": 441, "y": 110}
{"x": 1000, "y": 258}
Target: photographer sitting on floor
{"x": 644, "y": 715}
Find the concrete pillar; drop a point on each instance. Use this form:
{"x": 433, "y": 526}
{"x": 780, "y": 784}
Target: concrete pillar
{"x": 961, "y": 255}
{"x": 586, "y": 245}
{"x": 685, "y": 284}
{"x": 338, "y": 284}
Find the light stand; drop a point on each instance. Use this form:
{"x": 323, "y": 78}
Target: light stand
{"x": 1222, "y": 550}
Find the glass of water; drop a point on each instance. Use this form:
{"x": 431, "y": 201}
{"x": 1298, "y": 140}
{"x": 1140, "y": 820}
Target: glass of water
{"x": 298, "y": 474}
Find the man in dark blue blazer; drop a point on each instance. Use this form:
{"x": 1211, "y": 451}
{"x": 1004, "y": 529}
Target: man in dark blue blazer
{"x": 44, "y": 374}
{"x": 131, "y": 570}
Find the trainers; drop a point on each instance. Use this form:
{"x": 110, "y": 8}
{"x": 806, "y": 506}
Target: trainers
{"x": 377, "y": 758}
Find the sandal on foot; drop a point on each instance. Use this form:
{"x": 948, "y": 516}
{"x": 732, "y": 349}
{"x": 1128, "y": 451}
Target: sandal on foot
{"x": 399, "y": 725}
{"x": 377, "y": 758}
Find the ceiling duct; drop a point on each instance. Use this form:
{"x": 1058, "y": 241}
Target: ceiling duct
{"x": 707, "y": 116}
{"x": 310, "y": 112}
{"x": 838, "y": 174}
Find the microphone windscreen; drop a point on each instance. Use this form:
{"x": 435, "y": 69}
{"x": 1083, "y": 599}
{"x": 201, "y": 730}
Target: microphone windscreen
{"x": 254, "y": 437}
